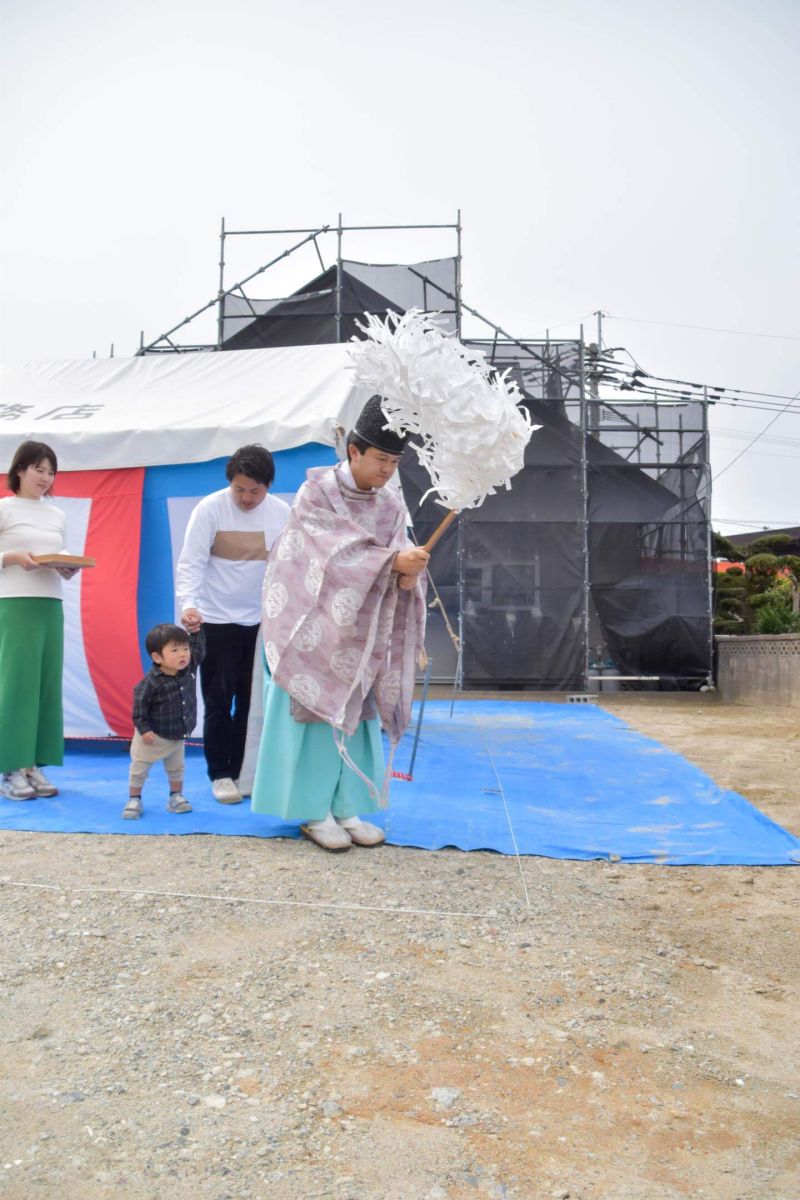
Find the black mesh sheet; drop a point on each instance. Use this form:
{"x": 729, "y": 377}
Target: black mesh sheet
{"x": 309, "y": 316}
{"x": 546, "y": 371}
{"x": 306, "y": 318}
{"x": 595, "y": 563}
{"x": 429, "y": 286}
{"x": 653, "y": 611}
{"x": 648, "y": 502}
{"x": 522, "y": 603}
{"x": 240, "y": 311}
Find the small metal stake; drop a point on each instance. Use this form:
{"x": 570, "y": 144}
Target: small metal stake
{"x": 425, "y": 681}
{"x": 456, "y": 679}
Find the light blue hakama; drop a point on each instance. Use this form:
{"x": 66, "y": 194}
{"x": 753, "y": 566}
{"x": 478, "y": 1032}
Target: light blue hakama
{"x": 300, "y": 774}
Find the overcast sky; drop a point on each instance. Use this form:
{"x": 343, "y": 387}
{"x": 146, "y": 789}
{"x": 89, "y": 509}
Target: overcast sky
{"x": 635, "y": 157}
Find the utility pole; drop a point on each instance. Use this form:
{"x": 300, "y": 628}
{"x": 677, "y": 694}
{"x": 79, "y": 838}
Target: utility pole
{"x": 599, "y": 314}
{"x": 593, "y": 374}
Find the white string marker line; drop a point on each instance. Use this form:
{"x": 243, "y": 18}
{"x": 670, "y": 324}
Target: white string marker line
{"x": 508, "y": 814}
{"x": 419, "y": 912}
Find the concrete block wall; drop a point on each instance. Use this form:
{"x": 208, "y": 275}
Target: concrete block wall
{"x": 762, "y": 669}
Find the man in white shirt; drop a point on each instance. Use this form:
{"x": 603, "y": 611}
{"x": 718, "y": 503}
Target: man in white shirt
{"x": 219, "y": 577}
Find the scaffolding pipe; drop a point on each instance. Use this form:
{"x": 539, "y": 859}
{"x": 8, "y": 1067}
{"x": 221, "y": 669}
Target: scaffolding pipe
{"x": 166, "y": 336}
{"x": 319, "y": 256}
{"x": 514, "y": 341}
{"x": 458, "y": 275}
{"x": 327, "y": 228}
{"x": 312, "y": 235}
{"x": 265, "y": 232}
{"x": 706, "y": 501}
{"x": 649, "y": 678}
{"x": 366, "y": 228}
{"x": 221, "y": 289}
{"x": 458, "y": 678}
{"x": 339, "y": 280}
{"x": 585, "y": 510}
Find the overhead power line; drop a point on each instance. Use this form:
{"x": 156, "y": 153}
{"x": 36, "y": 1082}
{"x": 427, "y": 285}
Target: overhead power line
{"x": 776, "y": 522}
{"x": 768, "y": 454}
{"x": 608, "y": 367}
{"x": 561, "y": 324}
{"x": 610, "y": 372}
{"x": 751, "y": 443}
{"x": 724, "y": 431}
{"x": 782, "y": 337}
{"x": 644, "y": 391}
{"x": 790, "y": 412}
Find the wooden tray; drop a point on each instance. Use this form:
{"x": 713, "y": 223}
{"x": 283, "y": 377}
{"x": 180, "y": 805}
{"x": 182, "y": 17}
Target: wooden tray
{"x": 64, "y": 560}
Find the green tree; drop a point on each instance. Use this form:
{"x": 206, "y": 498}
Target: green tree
{"x": 731, "y": 611}
{"x": 722, "y": 547}
{"x": 763, "y": 595}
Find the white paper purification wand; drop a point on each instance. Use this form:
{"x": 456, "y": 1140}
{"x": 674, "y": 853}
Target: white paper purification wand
{"x": 468, "y": 429}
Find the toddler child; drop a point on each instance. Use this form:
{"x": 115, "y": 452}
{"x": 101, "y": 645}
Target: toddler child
{"x": 164, "y": 713}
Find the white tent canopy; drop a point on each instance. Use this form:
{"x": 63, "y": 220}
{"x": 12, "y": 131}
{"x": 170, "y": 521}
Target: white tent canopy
{"x": 177, "y": 408}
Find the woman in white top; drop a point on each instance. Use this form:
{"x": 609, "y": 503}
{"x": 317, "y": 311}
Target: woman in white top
{"x": 31, "y": 626}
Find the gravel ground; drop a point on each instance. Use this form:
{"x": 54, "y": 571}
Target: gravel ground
{"x": 205, "y": 1018}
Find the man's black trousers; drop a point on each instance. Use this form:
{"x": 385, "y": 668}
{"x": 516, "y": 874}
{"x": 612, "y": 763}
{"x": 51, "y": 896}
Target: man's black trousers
{"x": 226, "y": 673}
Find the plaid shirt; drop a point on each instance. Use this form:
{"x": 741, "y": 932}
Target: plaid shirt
{"x": 167, "y": 704}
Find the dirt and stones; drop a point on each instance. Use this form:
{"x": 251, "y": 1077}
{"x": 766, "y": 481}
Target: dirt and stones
{"x": 207, "y": 1018}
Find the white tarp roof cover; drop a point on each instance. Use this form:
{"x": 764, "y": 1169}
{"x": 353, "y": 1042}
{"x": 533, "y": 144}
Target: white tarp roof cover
{"x": 177, "y": 408}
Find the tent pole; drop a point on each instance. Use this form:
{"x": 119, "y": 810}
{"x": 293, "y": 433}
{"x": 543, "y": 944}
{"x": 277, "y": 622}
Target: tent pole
{"x": 221, "y": 292}
{"x": 585, "y": 512}
{"x": 339, "y": 280}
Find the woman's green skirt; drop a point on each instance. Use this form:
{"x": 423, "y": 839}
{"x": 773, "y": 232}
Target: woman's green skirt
{"x": 301, "y": 775}
{"x": 31, "y": 666}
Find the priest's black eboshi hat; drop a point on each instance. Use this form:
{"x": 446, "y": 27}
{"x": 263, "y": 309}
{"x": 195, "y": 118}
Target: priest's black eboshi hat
{"x": 370, "y": 428}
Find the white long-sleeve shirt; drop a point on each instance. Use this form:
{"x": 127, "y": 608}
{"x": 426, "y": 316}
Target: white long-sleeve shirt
{"x": 221, "y": 566}
{"x": 36, "y": 526}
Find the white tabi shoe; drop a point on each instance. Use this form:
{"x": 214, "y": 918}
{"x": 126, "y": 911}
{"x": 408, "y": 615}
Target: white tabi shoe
{"x": 327, "y": 834}
{"x": 362, "y": 833}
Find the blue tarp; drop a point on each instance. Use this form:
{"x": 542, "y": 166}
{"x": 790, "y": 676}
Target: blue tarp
{"x": 558, "y": 780}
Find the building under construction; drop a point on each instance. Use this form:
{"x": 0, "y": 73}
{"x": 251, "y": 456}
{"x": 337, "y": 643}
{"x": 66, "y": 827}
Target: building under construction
{"x": 593, "y": 571}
